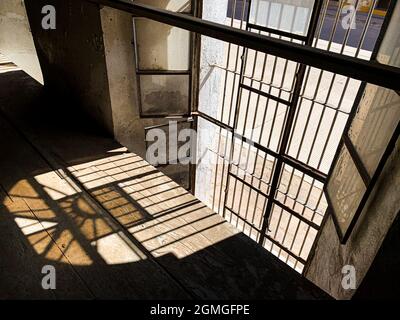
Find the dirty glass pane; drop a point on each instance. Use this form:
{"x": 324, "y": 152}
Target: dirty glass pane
{"x": 161, "y": 47}
{"x": 285, "y": 15}
{"x": 172, "y": 159}
{"x": 171, "y": 5}
{"x": 346, "y": 189}
{"x": 374, "y": 123}
{"x": 164, "y": 94}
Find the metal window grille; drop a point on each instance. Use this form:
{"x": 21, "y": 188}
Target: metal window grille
{"x": 269, "y": 182}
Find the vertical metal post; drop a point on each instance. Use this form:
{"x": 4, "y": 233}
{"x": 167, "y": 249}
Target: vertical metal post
{"x": 237, "y": 106}
{"x": 289, "y": 122}
{"x": 196, "y": 45}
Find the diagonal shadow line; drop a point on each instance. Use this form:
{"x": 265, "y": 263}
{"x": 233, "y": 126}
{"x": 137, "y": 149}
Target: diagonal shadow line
{"x": 112, "y": 175}
{"x": 180, "y": 227}
{"x": 100, "y": 169}
{"x": 122, "y": 228}
{"x": 153, "y": 204}
{"x": 138, "y": 176}
{"x": 130, "y": 193}
{"x": 162, "y": 214}
{"x": 78, "y": 162}
{"x": 190, "y": 235}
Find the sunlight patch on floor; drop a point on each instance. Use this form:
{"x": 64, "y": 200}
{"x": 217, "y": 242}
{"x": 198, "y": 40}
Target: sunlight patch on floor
{"x": 30, "y": 226}
{"x": 114, "y": 250}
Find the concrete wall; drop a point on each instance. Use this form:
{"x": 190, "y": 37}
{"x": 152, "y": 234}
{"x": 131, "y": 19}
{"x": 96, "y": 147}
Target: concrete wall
{"x": 16, "y": 41}
{"x": 360, "y": 250}
{"x": 382, "y": 280}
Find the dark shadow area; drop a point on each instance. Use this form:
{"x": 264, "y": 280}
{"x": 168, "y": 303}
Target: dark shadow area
{"x": 382, "y": 280}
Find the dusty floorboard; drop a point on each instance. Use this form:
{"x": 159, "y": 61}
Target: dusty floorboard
{"x": 111, "y": 224}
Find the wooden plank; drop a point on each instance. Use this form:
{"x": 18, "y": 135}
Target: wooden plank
{"x": 26, "y": 243}
{"x": 79, "y": 237}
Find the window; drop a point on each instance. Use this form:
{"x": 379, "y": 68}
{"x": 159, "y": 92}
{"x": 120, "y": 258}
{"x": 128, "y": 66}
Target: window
{"x": 163, "y": 63}
{"x": 367, "y": 143}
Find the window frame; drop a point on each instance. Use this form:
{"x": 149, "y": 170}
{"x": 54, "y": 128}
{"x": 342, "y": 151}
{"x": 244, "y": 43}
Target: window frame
{"x": 188, "y": 73}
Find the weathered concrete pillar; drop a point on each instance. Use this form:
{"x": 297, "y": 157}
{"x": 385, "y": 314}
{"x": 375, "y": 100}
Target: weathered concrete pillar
{"x": 72, "y": 55}
{"x": 121, "y": 75}
{"x": 16, "y": 41}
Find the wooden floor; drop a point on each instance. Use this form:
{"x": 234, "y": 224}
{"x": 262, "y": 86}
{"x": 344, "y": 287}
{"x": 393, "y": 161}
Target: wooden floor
{"x": 111, "y": 224}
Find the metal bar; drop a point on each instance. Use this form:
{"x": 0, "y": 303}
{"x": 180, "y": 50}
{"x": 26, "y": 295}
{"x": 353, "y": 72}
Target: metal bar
{"x": 296, "y": 96}
{"x": 167, "y": 124}
{"x": 294, "y": 204}
{"x": 330, "y": 90}
{"x": 163, "y": 72}
{"x": 372, "y": 72}
{"x": 233, "y": 106}
{"x": 260, "y": 180}
{"x": 278, "y": 244}
{"x": 253, "y": 176}
{"x": 264, "y": 94}
{"x": 365, "y": 28}
{"x": 296, "y": 214}
{"x": 363, "y": 86}
{"x": 237, "y": 106}
{"x": 287, "y": 159}
{"x": 246, "y": 222}
{"x": 277, "y": 31}
{"x": 219, "y": 127}
{"x": 305, "y": 168}
{"x": 308, "y": 230}
{"x": 248, "y": 184}
{"x": 303, "y": 96}
{"x": 169, "y": 116}
{"x": 213, "y": 120}
{"x": 318, "y": 26}
{"x": 310, "y": 112}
